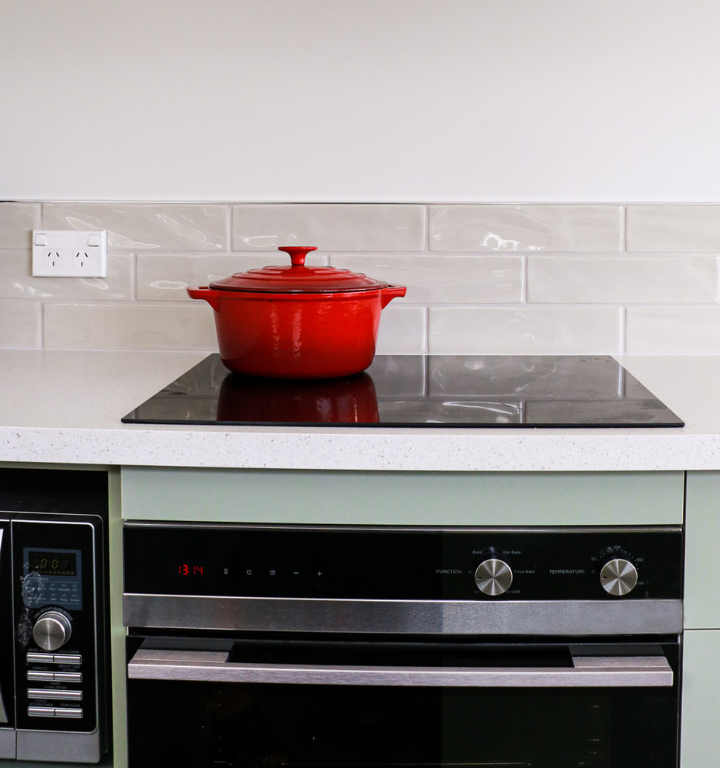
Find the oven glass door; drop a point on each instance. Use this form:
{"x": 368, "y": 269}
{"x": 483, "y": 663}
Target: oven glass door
{"x": 545, "y": 706}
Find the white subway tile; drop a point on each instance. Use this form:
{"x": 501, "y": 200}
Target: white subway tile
{"x": 609, "y": 279}
{"x": 673, "y": 330}
{"x": 444, "y": 279}
{"x": 569, "y": 228}
{"x": 178, "y": 226}
{"x": 402, "y": 331}
{"x": 17, "y": 282}
{"x": 673, "y": 228}
{"x": 524, "y": 330}
{"x": 330, "y": 227}
{"x": 130, "y": 326}
{"x": 20, "y": 324}
{"x": 166, "y": 276}
{"x": 17, "y": 220}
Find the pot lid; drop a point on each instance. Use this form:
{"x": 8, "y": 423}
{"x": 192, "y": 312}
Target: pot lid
{"x": 297, "y": 278}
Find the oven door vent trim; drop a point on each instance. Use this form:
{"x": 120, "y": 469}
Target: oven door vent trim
{"x": 417, "y": 617}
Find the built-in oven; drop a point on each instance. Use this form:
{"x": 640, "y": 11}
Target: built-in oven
{"x": 349, "y": 647}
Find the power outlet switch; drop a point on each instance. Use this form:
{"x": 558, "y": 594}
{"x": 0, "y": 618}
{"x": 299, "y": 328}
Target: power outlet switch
{"x": 69, "y": 253}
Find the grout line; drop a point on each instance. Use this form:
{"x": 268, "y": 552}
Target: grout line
{"x": 624, "y": 229}
{"x": 524, "y": 280}
{"x": 228, "y": 226}
{"x": 426, "y": 209}
{"x": 426, "y": 329}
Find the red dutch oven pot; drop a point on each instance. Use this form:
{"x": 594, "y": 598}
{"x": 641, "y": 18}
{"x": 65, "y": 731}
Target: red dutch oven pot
{"x": 297, "y": 321}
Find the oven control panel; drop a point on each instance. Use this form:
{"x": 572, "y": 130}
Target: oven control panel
{"x": 402, "y": 563}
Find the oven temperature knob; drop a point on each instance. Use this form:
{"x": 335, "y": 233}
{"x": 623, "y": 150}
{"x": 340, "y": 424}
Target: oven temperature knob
{"x": 493, "y": 577}
{"x": 618, "y": 576}
{"x": 52, "y": 630}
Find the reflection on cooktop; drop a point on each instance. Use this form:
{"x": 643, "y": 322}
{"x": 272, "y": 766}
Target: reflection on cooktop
{"x": 418, "y": 391}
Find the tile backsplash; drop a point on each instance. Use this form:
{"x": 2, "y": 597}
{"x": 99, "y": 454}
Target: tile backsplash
{"x": 481, "y": 278}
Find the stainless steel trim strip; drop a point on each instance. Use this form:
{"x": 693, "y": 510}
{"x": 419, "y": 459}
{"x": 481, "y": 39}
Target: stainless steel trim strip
{"x": 497, "y": 617}
{"x": 587, "y": 672}
{"x": 313, "y": 527}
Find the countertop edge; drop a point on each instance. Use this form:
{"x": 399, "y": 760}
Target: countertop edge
{"x": 446, "y": 451}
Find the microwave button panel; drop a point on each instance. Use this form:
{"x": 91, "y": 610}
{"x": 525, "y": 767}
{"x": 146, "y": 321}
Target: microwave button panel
{"x": 54, "y": 677}
{"x": 45, "y": 677}
{"x": 67, "y": 677}
{"x": 68, "y": 712}
{"x": 41, "y": 711}
{"x": 74, "y": 659}
{"x": 51, "y": 693}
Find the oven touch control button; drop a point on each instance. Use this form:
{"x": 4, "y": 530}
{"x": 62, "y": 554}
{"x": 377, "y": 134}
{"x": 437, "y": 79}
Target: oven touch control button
{"x": 493, "y": 577}
{"x": 618, "y": 577}
{"x": 52, "y": 630}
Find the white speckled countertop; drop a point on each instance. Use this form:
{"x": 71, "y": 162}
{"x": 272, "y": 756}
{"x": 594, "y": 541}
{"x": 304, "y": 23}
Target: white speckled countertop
{"x": 65, "y": 407}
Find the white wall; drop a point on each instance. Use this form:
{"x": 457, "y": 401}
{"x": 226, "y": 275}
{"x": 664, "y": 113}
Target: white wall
{"x": 360, "y": 100}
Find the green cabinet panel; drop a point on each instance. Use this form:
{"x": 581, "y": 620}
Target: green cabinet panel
{"x": 700, "y": 740}
{"x": 403, "y": 498}
{"x": 702, "y": 537}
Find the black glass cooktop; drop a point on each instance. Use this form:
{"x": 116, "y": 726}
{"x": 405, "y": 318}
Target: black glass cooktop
{"x": 418, "y": 391}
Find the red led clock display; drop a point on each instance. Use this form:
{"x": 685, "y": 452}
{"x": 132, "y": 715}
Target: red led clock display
{"x": 187, "y": 569}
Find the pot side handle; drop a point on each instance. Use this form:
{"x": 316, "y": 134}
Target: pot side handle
{"x": 206, "y": 293}
{"x": 390, "y": 293}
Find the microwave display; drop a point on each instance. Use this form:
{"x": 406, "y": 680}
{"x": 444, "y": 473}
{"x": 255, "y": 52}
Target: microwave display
{"x": 52, "y": 577}
{"x": 52, "y": 563}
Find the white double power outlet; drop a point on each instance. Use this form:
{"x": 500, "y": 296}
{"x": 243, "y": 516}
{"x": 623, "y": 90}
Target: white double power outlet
{"x": 69, "y": 253}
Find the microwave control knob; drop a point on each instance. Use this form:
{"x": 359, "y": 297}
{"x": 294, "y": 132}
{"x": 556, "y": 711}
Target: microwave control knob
{"x": 618, "y": 576}
{"x": 52, "y": 630}
{"x": 493, "y": 576}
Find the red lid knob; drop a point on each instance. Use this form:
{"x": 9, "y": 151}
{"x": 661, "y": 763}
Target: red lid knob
{"x": 297, "y": 253}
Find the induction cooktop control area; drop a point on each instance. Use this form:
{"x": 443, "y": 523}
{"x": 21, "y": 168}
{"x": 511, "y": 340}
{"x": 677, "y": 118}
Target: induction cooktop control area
{"x": 418, "y": 391}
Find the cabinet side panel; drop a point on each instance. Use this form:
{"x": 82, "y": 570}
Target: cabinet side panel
{"x": 702, "y": 568}
{"x": 700, "y": 741}
{"x": 403, "y": 498}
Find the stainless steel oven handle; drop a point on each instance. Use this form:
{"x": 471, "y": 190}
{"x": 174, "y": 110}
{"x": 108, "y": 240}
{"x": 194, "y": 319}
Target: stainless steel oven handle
{"x": 586, "y": 672}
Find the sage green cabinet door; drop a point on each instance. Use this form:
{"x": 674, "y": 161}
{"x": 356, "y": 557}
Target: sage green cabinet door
{"x": 700, "y": 739}
{"x": 702, "y": 551}
{"x": 403, "y": 498}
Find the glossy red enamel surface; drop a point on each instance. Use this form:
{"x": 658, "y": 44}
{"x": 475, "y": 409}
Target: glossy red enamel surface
{"x": 297, "y": 278}
{"x": 298, "y": 334}
{"x": 252, "y": 399}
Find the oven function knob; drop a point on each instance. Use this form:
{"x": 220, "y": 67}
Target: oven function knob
{"x": 493, "y": 576}
{"x": 618, "y": 576}
{"x": 52, "y": 630}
